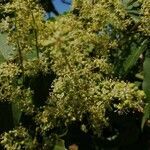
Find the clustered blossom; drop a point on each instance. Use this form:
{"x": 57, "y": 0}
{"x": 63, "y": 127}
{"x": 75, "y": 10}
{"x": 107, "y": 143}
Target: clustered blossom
{"x": 18, "y": 139}
{"x": 80, "y": 58}
{"x": 144, "y": 27}
{"x": 77, "y": 49}
{"x": 11, "y": 88}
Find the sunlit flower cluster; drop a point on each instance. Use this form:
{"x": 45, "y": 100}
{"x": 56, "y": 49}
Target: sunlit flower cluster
{"x": 77, "y": 48}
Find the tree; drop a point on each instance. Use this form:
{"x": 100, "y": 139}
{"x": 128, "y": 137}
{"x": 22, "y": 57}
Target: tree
{"x": 74, "y": 55}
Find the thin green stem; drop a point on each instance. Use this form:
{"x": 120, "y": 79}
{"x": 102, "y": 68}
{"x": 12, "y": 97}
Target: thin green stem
{"x": 35, "y": 35}
{"x": 20, "y": 55}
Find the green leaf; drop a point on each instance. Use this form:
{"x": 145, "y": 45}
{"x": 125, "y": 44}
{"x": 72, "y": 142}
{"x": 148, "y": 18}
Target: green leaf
{"x": 16, "y": 114}
{"x": 138, "y": 84}
{"x": 59, "y": 145}
{"x": 132, "y": 7}
{"x": 146, "y": 81}
{"x": 135, "y": 12}
{"x": 6, "y": 50}
{"x": 136, "y": 4}
{"x": 134, "y": 56}
{"x": 146, "y": 115}
{"x": 146, "y": 87}
{"x": 2, "y": 59}
{"x": 135, "y": 18}
{"x": 31, "y": 55}
{"x": 140, "y": 76}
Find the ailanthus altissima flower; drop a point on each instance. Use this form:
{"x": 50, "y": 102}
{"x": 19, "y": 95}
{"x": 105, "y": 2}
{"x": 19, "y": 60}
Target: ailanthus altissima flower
{"x": 78, "y": 48}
